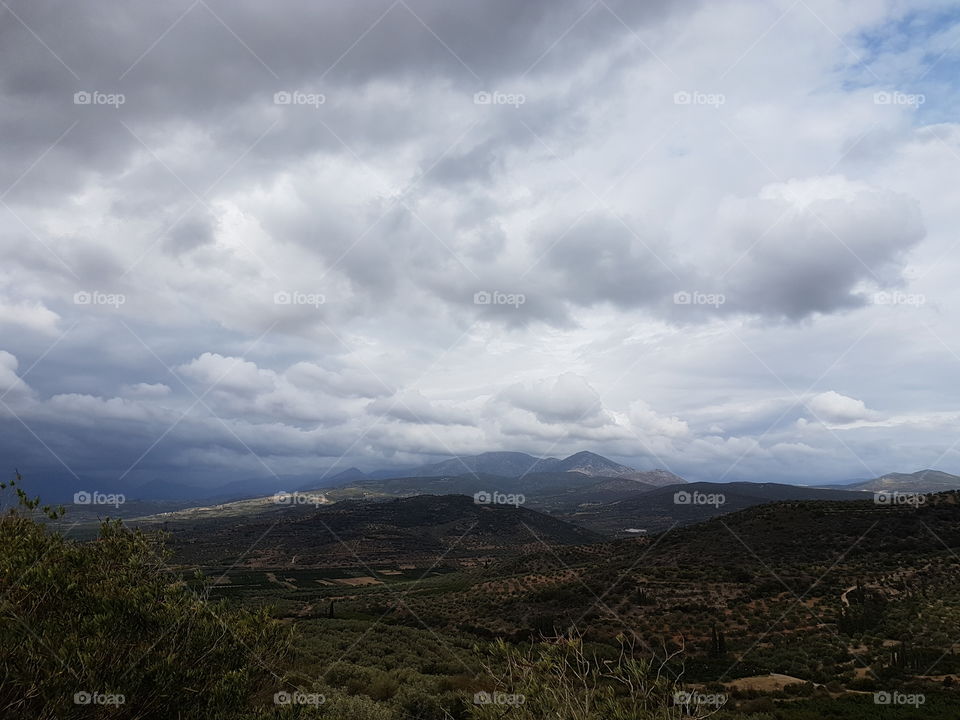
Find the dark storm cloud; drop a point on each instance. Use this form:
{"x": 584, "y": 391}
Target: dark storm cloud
{"x": 605, "y": 259}
{"x": 218, "y": 64}
{"x": 821, "y": 256}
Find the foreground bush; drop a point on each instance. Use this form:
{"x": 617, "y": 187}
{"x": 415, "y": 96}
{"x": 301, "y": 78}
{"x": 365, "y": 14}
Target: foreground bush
{"x": 558, "y": 679}
{"x": 103, "y": 629}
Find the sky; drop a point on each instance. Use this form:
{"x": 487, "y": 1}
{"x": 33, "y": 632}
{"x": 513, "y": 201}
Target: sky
{"x": 243, "y": 239}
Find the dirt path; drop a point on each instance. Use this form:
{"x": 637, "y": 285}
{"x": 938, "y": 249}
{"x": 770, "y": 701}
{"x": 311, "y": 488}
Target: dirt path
{"x": 843, "y": 595}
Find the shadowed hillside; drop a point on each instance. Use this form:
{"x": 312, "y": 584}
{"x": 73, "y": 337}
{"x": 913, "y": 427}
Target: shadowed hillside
{"x": 354, "y": 533}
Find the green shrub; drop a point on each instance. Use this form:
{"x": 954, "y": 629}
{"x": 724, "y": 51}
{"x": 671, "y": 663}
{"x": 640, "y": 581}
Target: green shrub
{"x": 82, "y": 624}
{"x": 557, "y": 678}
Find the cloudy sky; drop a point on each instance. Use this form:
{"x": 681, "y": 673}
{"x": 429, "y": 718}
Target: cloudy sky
{"x": 244, "y": 238}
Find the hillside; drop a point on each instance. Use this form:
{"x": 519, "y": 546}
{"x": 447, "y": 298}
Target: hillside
{"x": 798, "y": 531}
{"x": 824, "y": 587}
{"x": 817, "y": 590}
{"x": 414, "y": 530}
{"x": 553, "y": 491}
{"x": 657, "y": 478}
{"x": 661, "y": 508}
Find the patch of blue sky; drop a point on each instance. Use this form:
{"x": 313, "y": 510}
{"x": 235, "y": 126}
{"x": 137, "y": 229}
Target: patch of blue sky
{"x": 912, "y": 61}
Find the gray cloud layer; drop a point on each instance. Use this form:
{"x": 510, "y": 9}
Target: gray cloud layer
{"x": 724, "y": 253}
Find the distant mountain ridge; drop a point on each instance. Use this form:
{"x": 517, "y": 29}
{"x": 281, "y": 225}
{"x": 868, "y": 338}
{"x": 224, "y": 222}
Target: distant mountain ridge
{"x": 663, "y": 507}
{"x": 516, "y": 464}
{"x": 923, "y": 481}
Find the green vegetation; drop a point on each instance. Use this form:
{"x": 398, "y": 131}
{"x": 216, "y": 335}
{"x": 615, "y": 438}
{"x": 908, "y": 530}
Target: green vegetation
{"x": 832, "y": 603}
{"x": 562, "y": 678}
{"x": 86, "y": 624}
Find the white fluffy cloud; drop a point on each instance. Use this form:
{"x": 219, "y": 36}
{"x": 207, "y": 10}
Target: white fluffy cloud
{"x": 30, "y": 315}
{"x": 833, "y": 407}
{"x": 565, "y": 399}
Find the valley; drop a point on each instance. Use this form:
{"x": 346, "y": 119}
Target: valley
{"x": 780, "y": 599}
{"x": 404, "y": 597}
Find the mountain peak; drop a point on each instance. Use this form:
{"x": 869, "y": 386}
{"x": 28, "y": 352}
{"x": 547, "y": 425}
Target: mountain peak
{"x": 589, "y": 463}
{"x": 585, "y": 454}
{"x": 349, "y": 474}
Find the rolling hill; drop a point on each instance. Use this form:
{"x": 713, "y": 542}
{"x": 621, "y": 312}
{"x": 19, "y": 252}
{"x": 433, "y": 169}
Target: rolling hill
{"x": 422, "y": 529}
{"x": 662, "y": 507}
{"x": 791, "y": 584}
{"x": 554, "y": 491}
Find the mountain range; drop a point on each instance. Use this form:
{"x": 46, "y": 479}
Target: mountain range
{"x": 516, "y": 464}
{"x": 922, "y": 481}
{"x": 521, "y": 471}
